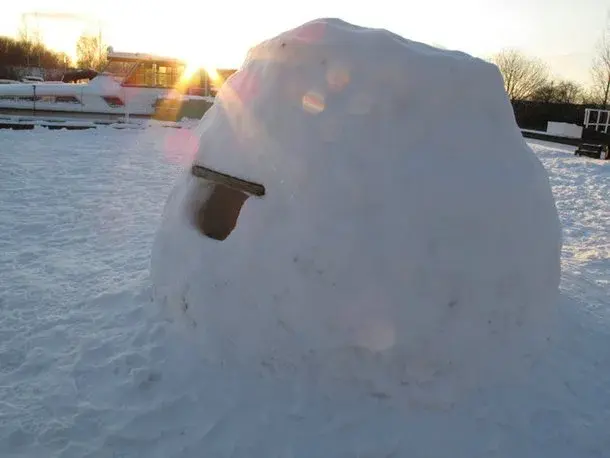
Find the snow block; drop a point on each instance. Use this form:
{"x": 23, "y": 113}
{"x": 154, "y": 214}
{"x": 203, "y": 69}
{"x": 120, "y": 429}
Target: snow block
{"x": 407, "y": 237}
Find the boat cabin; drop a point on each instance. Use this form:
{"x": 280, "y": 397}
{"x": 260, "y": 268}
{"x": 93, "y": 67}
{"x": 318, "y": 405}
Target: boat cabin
{"x": 149, "y": 71}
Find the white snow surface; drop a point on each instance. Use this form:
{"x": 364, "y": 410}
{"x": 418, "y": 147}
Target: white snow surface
{"x": 89, "y": 368}
{"x": 408, "y": 245}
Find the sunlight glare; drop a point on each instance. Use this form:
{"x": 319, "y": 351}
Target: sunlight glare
{"x": 193, "y": 64}
{"x": 188, "y": 73}
{"x": 213, "y": 73}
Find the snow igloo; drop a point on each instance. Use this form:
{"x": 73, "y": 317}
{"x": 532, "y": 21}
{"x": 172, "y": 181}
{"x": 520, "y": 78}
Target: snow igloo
{"x": 364, "y": 207}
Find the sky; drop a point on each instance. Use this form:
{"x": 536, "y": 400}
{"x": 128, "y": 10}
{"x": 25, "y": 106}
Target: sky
{"x": 563, "y": 33}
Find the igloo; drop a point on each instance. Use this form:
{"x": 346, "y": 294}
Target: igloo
{"x": 364, "y": 208}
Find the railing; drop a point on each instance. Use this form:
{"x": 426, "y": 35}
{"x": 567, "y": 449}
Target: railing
{"x": 597, "y": 119}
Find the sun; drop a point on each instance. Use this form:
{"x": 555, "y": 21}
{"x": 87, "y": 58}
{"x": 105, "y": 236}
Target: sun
{"x": 213, "y": 73}
{"x": 193, "y": 66}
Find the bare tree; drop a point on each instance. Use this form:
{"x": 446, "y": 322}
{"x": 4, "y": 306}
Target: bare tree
{"x": 568, "y": 92}
{"x": 558, "y": 92}
{"x": 590, "y": 97}
{"x": 23, "y": 33}
{"x": 30, "y": 41}
{"x": 90, "y": 52}
{"x": 65, "y": 59}
{"x": 600, "y": 70}
{"x": 545, "y": 93}
{"x": 523, "y": 75}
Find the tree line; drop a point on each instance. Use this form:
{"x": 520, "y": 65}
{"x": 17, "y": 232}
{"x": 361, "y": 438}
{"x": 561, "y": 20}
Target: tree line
{"x": 529, "y": 79}
{"x": 28, "y": 51}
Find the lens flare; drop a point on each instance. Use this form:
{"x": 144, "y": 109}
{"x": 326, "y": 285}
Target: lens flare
{"x": 313, "y": 102}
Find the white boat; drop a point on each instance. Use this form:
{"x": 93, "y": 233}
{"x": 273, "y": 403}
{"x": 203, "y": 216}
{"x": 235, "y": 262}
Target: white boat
{"x": 131, "y": 85}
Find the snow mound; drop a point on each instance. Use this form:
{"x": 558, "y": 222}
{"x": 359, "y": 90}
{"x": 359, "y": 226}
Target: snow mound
{"x": 407, "y": 239}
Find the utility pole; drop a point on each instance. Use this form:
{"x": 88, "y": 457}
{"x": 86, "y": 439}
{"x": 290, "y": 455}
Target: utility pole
{"x": 38, "y": 38}
{"x": 99, "y": 45}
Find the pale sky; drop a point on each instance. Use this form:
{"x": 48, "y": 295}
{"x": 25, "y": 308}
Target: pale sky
{"x": 561, "y": 32}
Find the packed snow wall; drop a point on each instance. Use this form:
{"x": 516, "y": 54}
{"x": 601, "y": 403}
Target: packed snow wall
{"x": 406, "y": 232}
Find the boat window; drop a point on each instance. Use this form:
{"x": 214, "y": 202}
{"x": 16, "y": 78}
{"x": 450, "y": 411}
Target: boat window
{"x": 114, "y": 102}
{"x": 169, "y": 76}
{"x": 66, "y": 99}
{"x": 153, "y": 74}
{"x": 119, "y": 69}
{"x": 19, "y": 98}
{"x": 40, "y": 99}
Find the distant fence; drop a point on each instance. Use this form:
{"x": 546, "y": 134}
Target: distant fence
{"x": 536, "y": 115}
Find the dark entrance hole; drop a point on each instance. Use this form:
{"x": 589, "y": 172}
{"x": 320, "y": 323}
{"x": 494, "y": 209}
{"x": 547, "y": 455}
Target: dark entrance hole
{"x": 217, "y": 215}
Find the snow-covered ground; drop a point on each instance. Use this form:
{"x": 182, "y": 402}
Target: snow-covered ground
{"x": 88, "y": 367}
{"x": 582, "y": 193}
